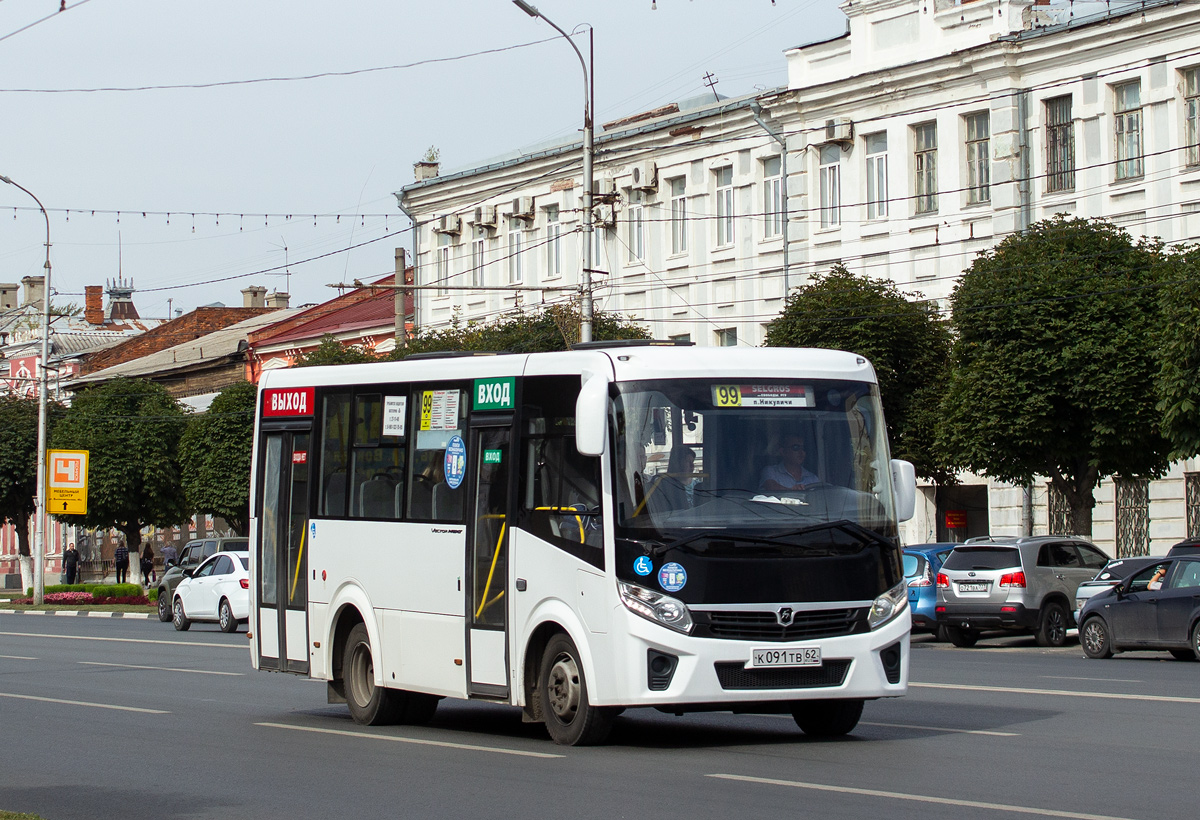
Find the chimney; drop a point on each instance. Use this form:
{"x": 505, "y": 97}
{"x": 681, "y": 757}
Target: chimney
{"x": 253, "y": 296}
{"x": 35, "y": 289}
{"x": 8, "y": 295}
{"x": 425, "y": 170}
{"x": 93, "y": 301}
{"x": 277, "y": 300}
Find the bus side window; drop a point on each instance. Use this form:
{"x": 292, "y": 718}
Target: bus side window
{"x": 436, "y": 416}
{"x": 377, "y": 476}
{"x": 335, "y": 446}
{"x": 560, "y": 489}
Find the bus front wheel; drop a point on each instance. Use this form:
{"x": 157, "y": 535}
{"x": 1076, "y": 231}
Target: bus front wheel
{"x": 570, "y": 718}
{"x": 370, "y": 705}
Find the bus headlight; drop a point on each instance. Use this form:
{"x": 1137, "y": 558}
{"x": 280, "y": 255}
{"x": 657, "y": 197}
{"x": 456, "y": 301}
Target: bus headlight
{"x": 888, "y": 605}
{"x": 654, "y": 606}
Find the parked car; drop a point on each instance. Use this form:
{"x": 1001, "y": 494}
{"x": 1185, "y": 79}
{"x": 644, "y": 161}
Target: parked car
{"x": 190, "y": 557}
{"x": 218, "y": 590}
{"x": 1114, "y": 572}
{"x": 1157, "y": 607}
{"x": 921, "y": 565}
{"x": 1190, "y": 546}
{"x": 1025, "y": 584}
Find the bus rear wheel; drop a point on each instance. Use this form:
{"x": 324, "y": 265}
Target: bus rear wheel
{"x": 570, "y": 718}
{"x": 370, "y": 705}
{"x": 827, "y": 718}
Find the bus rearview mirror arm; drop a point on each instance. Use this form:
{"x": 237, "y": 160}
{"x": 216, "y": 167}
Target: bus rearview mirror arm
{"x": 591, "y": 415}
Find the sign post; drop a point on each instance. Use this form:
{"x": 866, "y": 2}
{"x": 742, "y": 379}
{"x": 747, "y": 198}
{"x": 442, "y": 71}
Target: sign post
{"x": 66, "y": 482}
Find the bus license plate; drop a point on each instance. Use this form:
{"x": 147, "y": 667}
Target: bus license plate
{"x": 972, "y": 587}
{"x": 805, "y": 656}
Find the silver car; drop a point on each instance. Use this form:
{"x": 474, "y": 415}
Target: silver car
{"x": 1025, "y": 584}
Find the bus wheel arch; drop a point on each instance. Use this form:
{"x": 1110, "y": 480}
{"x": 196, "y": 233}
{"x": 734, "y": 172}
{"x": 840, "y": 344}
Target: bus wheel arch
{"x": 570, "y": 717}
{"x": 534, "y": 649}
{"x": 346, "y": 619}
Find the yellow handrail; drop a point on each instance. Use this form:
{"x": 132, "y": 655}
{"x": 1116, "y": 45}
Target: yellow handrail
{"x": 578, "y": 517}
{"x": 483, "y": 604}
{"x": 296, "y": 578}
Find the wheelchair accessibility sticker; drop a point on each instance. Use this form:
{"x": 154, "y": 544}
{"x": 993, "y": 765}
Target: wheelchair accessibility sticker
{"x": 672, "y": 577}
{"x": 455, "y": 463}
{"x": 643, "y": 565}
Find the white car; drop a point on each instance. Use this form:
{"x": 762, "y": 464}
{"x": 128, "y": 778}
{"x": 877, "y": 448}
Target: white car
{"x": 217, "y": 590}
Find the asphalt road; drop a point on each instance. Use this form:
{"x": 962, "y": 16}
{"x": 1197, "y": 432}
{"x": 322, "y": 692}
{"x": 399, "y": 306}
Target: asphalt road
{"x": 112, "y": 718}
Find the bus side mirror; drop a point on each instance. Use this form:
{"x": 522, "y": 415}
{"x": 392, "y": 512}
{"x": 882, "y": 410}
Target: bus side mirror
{"x": 904, "y": 486}
{"x": 591, "y": 415}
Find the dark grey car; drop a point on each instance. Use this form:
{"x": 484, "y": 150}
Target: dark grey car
{"x": 190, "y": 557}
{"x": 1025, "y": 584}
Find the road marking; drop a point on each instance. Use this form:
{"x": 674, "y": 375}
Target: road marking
{"x": 1098, "y": 680}
{"x": 161, "y": 668}
{"x": 85, "y": 703}
{"x": 17, "y": 658}
{"x": 942, "y": 729}
{"x": 413, "y": 740}
{"x": 919, "y": 798}
{"x": 1062, "y": 692}
{"x": 122, "y": 640}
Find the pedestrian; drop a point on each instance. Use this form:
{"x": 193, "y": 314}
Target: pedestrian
{"x": 170, "y": 556}
{"x": 147, "y": 564}
{"x": 121, "y": 560}
{"x": 71, "y": 562}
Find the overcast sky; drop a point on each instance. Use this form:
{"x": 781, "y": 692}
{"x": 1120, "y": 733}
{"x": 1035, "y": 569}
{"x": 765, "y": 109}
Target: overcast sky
{"x": 334, "y": 145}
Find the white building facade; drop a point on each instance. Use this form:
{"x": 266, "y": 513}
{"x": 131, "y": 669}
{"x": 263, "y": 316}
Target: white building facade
{"x": 928, "y": 132}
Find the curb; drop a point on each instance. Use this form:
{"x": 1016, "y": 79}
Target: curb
{"x": 81, "y": 613}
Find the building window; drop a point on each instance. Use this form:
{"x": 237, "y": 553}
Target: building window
{"x": 925, "y": 139}
{"x": 727, "y": 337}
{"x": 477, "y": 257}
{"x": 877, "y": 187}
{"x": 1191, "y": 122}
{"x": 1060, "y": 145}
{"x": 1132, "y": 516}
{"x": 831, "y": 186}
{"x": 515, "y": 241}
{"x": 978, "y": 165}
{"x": 443, "y": 263}
{"x": 1191, "y": 484}
{"x": 553, "y": 243}
{"x": 724, "y": 206}
{"x": 678, "y": 216}
{"x": 635, "y": 236}
{"x": 1128, "y": 126}
{"x": 772, "y": 197}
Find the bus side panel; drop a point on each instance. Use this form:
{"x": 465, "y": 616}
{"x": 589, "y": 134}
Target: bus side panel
{"x": 547, "y": 569}
{"x": 423, "y": 652}
{"x": 319, "y": 645}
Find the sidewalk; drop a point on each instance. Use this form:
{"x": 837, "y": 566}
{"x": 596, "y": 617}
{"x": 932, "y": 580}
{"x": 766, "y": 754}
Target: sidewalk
{"x": 82, "y": 613}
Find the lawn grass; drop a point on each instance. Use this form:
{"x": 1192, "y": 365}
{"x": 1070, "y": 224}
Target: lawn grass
{"x": 12, "y": 815}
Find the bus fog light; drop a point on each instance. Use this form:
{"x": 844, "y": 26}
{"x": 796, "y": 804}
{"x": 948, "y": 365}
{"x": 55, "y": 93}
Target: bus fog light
{"x": 654, "y": 606}
{"x": 888, "y": 605}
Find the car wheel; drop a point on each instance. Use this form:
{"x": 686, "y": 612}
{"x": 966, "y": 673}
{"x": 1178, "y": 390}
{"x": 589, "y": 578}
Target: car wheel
{"x": 370, "y": 705}
{"x": 179, "y": 617}
{"x": 225, "y": 617}
{"x": 1093, "y": 637}
{"x": 961, "y": 637}
{"x": 827, "y": 718}
{"x": 1183, "y": 654}
{"x": 164, "y": 605}
{"x": 1052, "y": 626}
{"x": 1196, "y": 640}
{"x": 939, "y": 634}
{"x": 570, "y": 717}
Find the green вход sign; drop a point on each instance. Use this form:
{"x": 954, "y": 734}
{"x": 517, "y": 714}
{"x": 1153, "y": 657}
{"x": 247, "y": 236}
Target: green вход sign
{"x": 495, "y": 394}
{"x": 491, "y": 456}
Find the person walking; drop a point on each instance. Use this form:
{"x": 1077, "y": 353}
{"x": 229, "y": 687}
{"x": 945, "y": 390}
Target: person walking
{"x": 121, "y": 560}
{"x": 147, "y": 564}
{"x": 71, "y": 562}
{"x": 169, "y": 556}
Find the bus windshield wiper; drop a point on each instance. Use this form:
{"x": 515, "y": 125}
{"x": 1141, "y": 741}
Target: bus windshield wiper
{"x": 843, "y": 525}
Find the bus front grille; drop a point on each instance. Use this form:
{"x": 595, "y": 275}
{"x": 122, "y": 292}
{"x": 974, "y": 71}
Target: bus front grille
{"x": 734, "y": 675}
{"x": 765, "y": 626}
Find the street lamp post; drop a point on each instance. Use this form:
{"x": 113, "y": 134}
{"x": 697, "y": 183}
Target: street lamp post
{"x": 585, "y": 313}
{"x": 39, "y": 542}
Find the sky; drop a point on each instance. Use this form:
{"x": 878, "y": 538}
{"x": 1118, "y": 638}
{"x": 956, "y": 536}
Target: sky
{"x": 197, "y": 192}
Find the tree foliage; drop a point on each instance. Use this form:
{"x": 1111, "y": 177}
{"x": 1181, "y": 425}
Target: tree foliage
{"x": 523, "y": 331}
{"x": 18, "y": 461}
{"x": 131, "y": 428}
{"x": 330, "y": 351}
{"x": 1054, "y": 366}
{"x": 215, "y": 454}
{"x": 1178, "y": 382}
{"x": 905, "y": 341}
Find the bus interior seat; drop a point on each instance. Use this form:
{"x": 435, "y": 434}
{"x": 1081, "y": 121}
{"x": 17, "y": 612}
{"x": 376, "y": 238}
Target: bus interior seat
{"x": 422, "y": 498}
{"x": 335, "y": 494}
{"x": 447, "y": 502}
{"x": 376, "y": 498}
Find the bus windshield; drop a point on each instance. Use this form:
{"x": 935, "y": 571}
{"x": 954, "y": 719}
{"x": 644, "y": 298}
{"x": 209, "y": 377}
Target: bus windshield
{"x": 760, "y": 456}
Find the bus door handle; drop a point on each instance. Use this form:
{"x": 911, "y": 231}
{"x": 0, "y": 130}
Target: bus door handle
{"x": 521, "y": 585}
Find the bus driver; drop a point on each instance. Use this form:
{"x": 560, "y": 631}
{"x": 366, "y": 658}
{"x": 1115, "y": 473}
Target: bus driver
{"x": 789, "y": 473}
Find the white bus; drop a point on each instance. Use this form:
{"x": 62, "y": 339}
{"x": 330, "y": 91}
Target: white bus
{"x": 633, "y": 525}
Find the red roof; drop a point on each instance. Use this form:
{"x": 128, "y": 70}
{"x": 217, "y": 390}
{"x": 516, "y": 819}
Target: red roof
{"x": 375, "y": 312}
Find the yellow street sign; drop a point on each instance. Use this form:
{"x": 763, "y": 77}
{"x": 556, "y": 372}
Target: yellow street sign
{"x": 66, "y": 482}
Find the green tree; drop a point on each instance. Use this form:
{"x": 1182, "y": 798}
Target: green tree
{"x": 523, "y": 331}
{"x": 1054, "y": 364}
{"x": 331, "y": 351}
{"x": 905, "y": 341}
{"x": 1178, "y": 382}
{"x": 18, "y": 461}
{"x": 131, "y": 428}
{"x": 214, "y": 455}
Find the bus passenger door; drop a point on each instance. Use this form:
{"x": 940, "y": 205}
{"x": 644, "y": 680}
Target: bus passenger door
{"x": 282, "y": 592}
{"x": 487, "y": 638}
